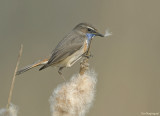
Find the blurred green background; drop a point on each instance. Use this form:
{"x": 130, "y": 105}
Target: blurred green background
{"x": 127, "y": 63}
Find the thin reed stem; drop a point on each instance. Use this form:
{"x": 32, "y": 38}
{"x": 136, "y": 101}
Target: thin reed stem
{"x": 14, "y": 76}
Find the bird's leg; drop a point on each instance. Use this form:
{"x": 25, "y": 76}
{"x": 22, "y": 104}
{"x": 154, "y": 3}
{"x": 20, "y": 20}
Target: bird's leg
{"x": 88, "y": 55}
{"x": 60, "y": 73}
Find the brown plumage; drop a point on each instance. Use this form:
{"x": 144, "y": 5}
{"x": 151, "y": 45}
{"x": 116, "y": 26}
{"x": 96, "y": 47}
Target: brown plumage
{"x": 69, "y": 50}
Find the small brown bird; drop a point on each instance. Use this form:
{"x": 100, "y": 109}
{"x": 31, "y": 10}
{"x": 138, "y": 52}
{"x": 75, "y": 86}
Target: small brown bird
{"x": 69, "y": 50}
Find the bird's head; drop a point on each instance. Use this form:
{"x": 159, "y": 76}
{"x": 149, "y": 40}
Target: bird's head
{"x": 88, "y": 30}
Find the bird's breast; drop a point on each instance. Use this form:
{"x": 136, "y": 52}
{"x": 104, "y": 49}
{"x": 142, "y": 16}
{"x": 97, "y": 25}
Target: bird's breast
{"x": 85, "y": 46}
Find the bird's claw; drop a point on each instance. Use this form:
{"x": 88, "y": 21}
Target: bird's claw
{"x": 89, "y": 55}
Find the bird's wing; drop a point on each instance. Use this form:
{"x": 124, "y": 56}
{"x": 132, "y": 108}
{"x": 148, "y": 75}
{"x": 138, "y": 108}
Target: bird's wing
{"x": 66, "y": 47}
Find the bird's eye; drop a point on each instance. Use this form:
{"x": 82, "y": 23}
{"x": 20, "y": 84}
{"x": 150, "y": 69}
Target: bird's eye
{"x": 89, "y": 29}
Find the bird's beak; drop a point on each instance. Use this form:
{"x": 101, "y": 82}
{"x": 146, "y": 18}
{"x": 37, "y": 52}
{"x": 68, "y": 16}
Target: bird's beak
{"x": 98, "y": 34}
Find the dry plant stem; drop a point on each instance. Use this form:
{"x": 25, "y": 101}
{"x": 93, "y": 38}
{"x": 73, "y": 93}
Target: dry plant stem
{"x": 14, "y": 76}
{"x": 83, "y": 66}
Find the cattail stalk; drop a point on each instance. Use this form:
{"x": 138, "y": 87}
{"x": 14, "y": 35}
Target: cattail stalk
{"x": 14, "y": 76}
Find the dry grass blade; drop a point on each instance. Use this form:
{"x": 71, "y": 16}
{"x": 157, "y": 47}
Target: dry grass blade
{"x": 14, "y": 76}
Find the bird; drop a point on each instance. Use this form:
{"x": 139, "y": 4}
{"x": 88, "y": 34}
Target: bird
{"x": 69, "y": 50}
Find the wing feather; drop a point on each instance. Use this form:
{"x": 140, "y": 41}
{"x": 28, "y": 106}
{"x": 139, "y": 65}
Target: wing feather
{"x": 66, "y": 47}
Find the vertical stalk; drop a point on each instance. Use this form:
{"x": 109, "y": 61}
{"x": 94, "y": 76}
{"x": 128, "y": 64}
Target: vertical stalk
{"x": 14, "y": 77}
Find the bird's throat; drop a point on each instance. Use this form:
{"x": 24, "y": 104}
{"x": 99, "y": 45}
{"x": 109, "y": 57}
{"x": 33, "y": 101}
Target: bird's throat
{"x": 89, "y": 37}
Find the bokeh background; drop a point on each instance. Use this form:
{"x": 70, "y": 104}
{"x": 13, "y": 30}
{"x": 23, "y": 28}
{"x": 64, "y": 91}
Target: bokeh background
{"x": 127, "y": 63}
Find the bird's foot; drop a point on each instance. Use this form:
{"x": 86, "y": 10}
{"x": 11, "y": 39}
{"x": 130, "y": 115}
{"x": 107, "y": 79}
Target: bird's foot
{"x": 60, "y": 73}
{"x": 89, "y": 55}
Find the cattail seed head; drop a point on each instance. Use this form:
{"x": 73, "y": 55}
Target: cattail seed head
{"x": 74, "y": 97}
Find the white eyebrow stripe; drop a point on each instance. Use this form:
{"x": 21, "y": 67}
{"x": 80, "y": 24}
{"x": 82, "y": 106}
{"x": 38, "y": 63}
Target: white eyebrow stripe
{"x": 90, "y": 28}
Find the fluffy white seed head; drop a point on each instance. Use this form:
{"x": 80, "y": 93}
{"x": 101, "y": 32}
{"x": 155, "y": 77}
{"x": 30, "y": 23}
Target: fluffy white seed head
{"x": 75, "y": 97}
{"x": 12, "y": 111}
{"x": 107, "y": 33}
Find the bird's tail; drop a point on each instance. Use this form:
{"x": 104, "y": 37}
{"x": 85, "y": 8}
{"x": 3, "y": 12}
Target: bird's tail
{"x": 28, "y": 67}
